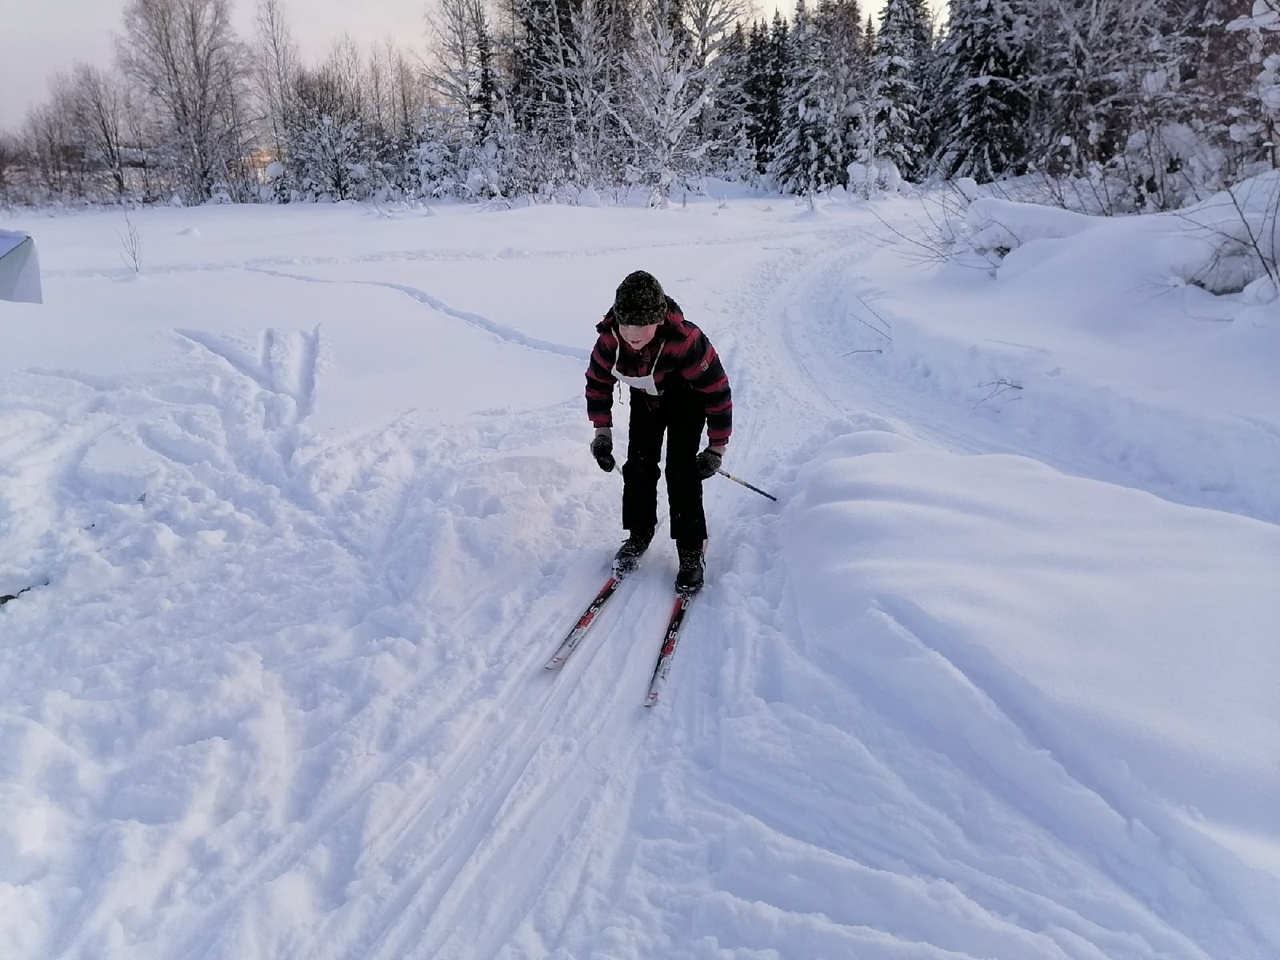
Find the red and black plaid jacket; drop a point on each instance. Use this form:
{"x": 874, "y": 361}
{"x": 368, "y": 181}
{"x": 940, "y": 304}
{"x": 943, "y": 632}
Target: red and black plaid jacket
{"x": 678, "y": 349}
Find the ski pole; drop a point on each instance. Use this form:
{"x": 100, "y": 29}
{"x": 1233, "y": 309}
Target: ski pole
{"x": 726, "y": 473}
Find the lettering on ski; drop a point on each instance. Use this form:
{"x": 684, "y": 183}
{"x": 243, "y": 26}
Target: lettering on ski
{"x": 668, "y": 651}
{"x": 579, "y": 629}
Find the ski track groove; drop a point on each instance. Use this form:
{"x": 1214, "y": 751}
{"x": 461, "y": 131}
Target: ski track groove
{"x": 501, "y": 332}
{"x": 479, "y": 784}
{"x": 349, "y": 801}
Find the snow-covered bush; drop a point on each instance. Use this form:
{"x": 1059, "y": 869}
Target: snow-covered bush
{"x": 1239, "y": 226}
{"x": 1226, "y": 244}
{"x": 880, "y": 176}
{"x": 1000, "y": 226}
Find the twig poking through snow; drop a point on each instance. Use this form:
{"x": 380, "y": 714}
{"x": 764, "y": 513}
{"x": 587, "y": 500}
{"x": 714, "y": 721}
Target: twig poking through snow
{"x": 132, "y": 242}
{"x": 998, "y": 387}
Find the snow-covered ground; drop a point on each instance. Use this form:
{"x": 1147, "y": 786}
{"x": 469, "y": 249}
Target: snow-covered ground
{"x": 306, "y": 503}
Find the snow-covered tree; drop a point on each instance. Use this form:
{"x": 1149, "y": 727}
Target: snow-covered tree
{"x": 435, "y": 160}
{"x": 668, "y": 91}
{"x": 275, "y": 63}
{"x": 184, "y": 55}
{"x": 846, "y": 72}
{"x": 1143, "y": 101}
{"x": 728, "y": 125}
{"x": 982, "y": 102}
{"x": 392, "y": 98}
{"x": 329, "y": 152}
{"x": 1262, "y": 30}
{"x": 98, "y": 107}
{"x": 893, "y": 130}
{"x": 591, "y": 78}
{"x": 768, "y": 56}
{"x": 811, "y": 153}
{"x": 1238, "y": 43}
{"x": 49, "y": 148}
{"x": 461, "y": 70}
{"x": 540, "y": 64}
{"x": 711, "y": 26}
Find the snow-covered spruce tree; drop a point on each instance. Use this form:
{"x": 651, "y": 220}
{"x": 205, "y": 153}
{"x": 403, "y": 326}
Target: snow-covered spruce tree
{"x": 846, "y": 67}
{"x": 666, "y": 93}
{"x": 810, "y": 154}
{"x": 541, "y": 103}
{"x": 890, "y": 135}
{"x": 982, "y": 105}
{"x": 729, "y": 123}
{"x": 435, "y": 161}
{"x": 768, "y": 56}
{"x": 894, "y": 131}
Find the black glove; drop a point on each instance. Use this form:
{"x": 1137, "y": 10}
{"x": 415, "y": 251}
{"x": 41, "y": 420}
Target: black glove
{"x": 707, "y": 463}
{"x": 602, "y": 450}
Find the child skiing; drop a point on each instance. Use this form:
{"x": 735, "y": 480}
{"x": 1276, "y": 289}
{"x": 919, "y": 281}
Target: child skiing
{"x": 678, "y": 386}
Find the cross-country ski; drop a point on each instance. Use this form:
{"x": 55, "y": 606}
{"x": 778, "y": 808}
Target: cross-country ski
{"x": 584, "y": 622}
{"x": 667, "y": 652}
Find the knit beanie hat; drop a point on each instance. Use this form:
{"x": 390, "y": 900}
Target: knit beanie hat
{"x": 639, "y": 301}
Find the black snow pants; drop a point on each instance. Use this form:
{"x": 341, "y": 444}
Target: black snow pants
{"x": 680, "y": 414}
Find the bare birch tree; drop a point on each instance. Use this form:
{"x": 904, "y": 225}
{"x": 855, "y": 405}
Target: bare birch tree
{"x": 98, "y": 104}
{"x": 185, "y": 56}
{"x": 275, "y": 65}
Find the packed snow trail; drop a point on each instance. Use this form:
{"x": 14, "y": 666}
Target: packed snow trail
{"x": 309, "y": 545}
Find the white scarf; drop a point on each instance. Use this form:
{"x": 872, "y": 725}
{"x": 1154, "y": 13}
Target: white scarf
{"x": 646, "y": 384}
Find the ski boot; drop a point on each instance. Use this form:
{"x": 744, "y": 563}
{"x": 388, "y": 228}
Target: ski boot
{"x": 632, "y": 549}
{"x": 692, "y": 568}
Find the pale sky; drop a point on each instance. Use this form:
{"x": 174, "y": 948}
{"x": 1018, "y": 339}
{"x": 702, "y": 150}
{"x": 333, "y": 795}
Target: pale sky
{"x": 39, "y": 38}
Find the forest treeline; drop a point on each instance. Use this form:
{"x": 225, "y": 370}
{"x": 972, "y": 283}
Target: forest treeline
{"x": 1120, "y": 105}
